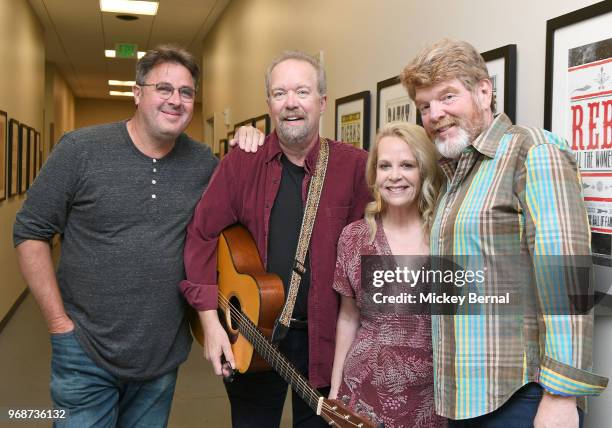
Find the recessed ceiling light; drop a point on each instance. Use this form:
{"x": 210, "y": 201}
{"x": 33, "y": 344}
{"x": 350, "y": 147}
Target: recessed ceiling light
{"x": 121, "y": 93}
{"x": 110, "y": 53}
{"x": 129, "y": 6}
{"x": 121, "y": 82}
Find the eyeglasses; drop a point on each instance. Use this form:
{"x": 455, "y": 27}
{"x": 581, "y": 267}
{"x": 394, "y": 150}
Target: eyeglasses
{"x": 165, "y": 91}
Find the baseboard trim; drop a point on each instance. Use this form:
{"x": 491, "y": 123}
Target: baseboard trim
{"x": 11, "y": 311}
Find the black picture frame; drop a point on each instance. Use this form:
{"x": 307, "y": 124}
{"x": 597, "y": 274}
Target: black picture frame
{"x": 578, "y": 50}
{"x": 39, "y": 150}
{"x": 262, "y": 123}
{"x": 223, "y": 147}
{"x": 352, "y": 123}
{"x": 393, "y": 103}
{"x": 13, "y": 158}
{"x": 23, "y": 158}
{"x": 507, "y": 55}
{"x": 3, "y": 155}
{"x": 31, "y": 156}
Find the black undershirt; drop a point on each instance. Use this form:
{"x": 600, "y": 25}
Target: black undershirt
{"x": 285, "y": 224}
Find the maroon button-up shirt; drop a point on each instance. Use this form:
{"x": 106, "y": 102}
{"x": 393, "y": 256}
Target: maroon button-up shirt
{"x": 243, "y": 189}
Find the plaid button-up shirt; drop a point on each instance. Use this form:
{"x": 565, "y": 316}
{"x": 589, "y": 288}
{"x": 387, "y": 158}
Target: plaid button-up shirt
{"x": 515, "y": 191}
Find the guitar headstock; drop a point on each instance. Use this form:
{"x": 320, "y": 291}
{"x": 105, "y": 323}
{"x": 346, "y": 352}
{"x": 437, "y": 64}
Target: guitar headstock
{"x": 339, "y": 415}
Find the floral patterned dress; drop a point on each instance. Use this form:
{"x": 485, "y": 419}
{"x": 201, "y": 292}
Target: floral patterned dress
{"x": 388, "y": 369}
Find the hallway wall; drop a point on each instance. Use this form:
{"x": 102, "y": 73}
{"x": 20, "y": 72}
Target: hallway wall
{"x": 22, "y": 96}
{"x": 63, "y": 103}
{"x": 365, "y": 42}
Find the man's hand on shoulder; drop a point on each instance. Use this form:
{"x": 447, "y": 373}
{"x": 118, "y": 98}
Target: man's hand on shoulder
{"x": 248, "y": 139}
{"x": 556, "y": 411}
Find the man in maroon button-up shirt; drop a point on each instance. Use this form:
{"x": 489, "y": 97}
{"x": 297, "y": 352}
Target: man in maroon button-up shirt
{"x": 247, "y": 188}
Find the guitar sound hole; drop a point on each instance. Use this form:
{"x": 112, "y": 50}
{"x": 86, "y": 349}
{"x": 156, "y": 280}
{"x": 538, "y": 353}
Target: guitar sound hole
{"x": 236, "y": 304}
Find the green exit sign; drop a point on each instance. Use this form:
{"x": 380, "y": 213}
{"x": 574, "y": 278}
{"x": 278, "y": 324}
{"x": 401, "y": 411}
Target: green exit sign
{"x": 126, "y": 50}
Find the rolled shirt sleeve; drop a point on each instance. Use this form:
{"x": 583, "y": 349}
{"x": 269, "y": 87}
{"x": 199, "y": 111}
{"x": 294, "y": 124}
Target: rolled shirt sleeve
{"x": 557, "y": 225}
{"x": 46, "y": 208}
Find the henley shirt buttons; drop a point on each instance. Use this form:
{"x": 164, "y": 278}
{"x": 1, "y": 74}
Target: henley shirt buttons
{"x": 154, "y": 181}
{"x": 154, "y": 160}
{"x": 154, "y": 169}
{"x": 153, "y": 196}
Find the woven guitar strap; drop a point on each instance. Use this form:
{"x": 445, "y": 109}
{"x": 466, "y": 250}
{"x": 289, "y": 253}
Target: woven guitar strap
{"x": 310, "y": 212}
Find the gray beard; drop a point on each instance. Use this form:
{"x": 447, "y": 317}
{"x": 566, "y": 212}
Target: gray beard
{"x": 453, "y": 147}
{"x": 291, "y": 134}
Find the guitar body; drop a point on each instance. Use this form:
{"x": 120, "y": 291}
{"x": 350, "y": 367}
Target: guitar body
{"x": 244, "y": 282}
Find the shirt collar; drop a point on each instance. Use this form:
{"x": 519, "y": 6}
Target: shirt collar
{"x": 272, "y": 147}
{"x": 488, "y": 142}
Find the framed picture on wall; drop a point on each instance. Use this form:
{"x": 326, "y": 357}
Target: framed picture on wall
{"x": 12, "y": 165}
{"x": 393, "y": 103}
{"x": 223, "y": 147}
{"x": 230, "y": 135}
{"x": 262, "y": 123}
{"x": 39, "y": 148}
{"x": 578, "y": 102}
{"x": 31, "y": 155}
{"x": 35, "y": 163}
{"x": 36, "y": 153}
{"x": 3, "y": 154}
{"x": 353, "y": 119}
{"x": 501, "y": 63}
{"x": 23, "y": 157}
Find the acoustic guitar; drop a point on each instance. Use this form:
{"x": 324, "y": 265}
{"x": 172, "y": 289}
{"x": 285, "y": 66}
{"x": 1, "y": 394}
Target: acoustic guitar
{"x": 249, "y": 301}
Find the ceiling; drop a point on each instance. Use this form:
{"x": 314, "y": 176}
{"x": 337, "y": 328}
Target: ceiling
{"x": 76, "y": 33}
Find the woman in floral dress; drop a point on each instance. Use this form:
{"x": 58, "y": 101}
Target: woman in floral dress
{"x": 383, "y": 362}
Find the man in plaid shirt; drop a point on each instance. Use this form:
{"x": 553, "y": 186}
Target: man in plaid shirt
{"x": 511, "y": 191}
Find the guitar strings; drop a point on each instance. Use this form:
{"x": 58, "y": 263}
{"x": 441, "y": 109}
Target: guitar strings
{"x": 248, "y": 324}
{"x": 304, "y": 387}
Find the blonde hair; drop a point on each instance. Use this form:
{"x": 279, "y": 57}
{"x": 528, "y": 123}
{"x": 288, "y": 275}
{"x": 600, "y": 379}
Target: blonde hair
{"x": 442, "y": 61}
{"x": 427, "y": 159}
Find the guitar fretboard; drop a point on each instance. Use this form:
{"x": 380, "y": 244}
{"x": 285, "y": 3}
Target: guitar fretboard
{"x": 278, "y": 361}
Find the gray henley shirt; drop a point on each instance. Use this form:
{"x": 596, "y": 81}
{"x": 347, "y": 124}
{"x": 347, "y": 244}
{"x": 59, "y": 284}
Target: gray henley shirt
{"x": 122, "y": 217}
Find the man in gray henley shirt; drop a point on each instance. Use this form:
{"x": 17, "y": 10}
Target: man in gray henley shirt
{"x": 121, "y": 196}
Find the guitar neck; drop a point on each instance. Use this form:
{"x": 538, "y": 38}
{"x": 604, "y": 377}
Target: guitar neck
{"x": 279, "y": 363}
